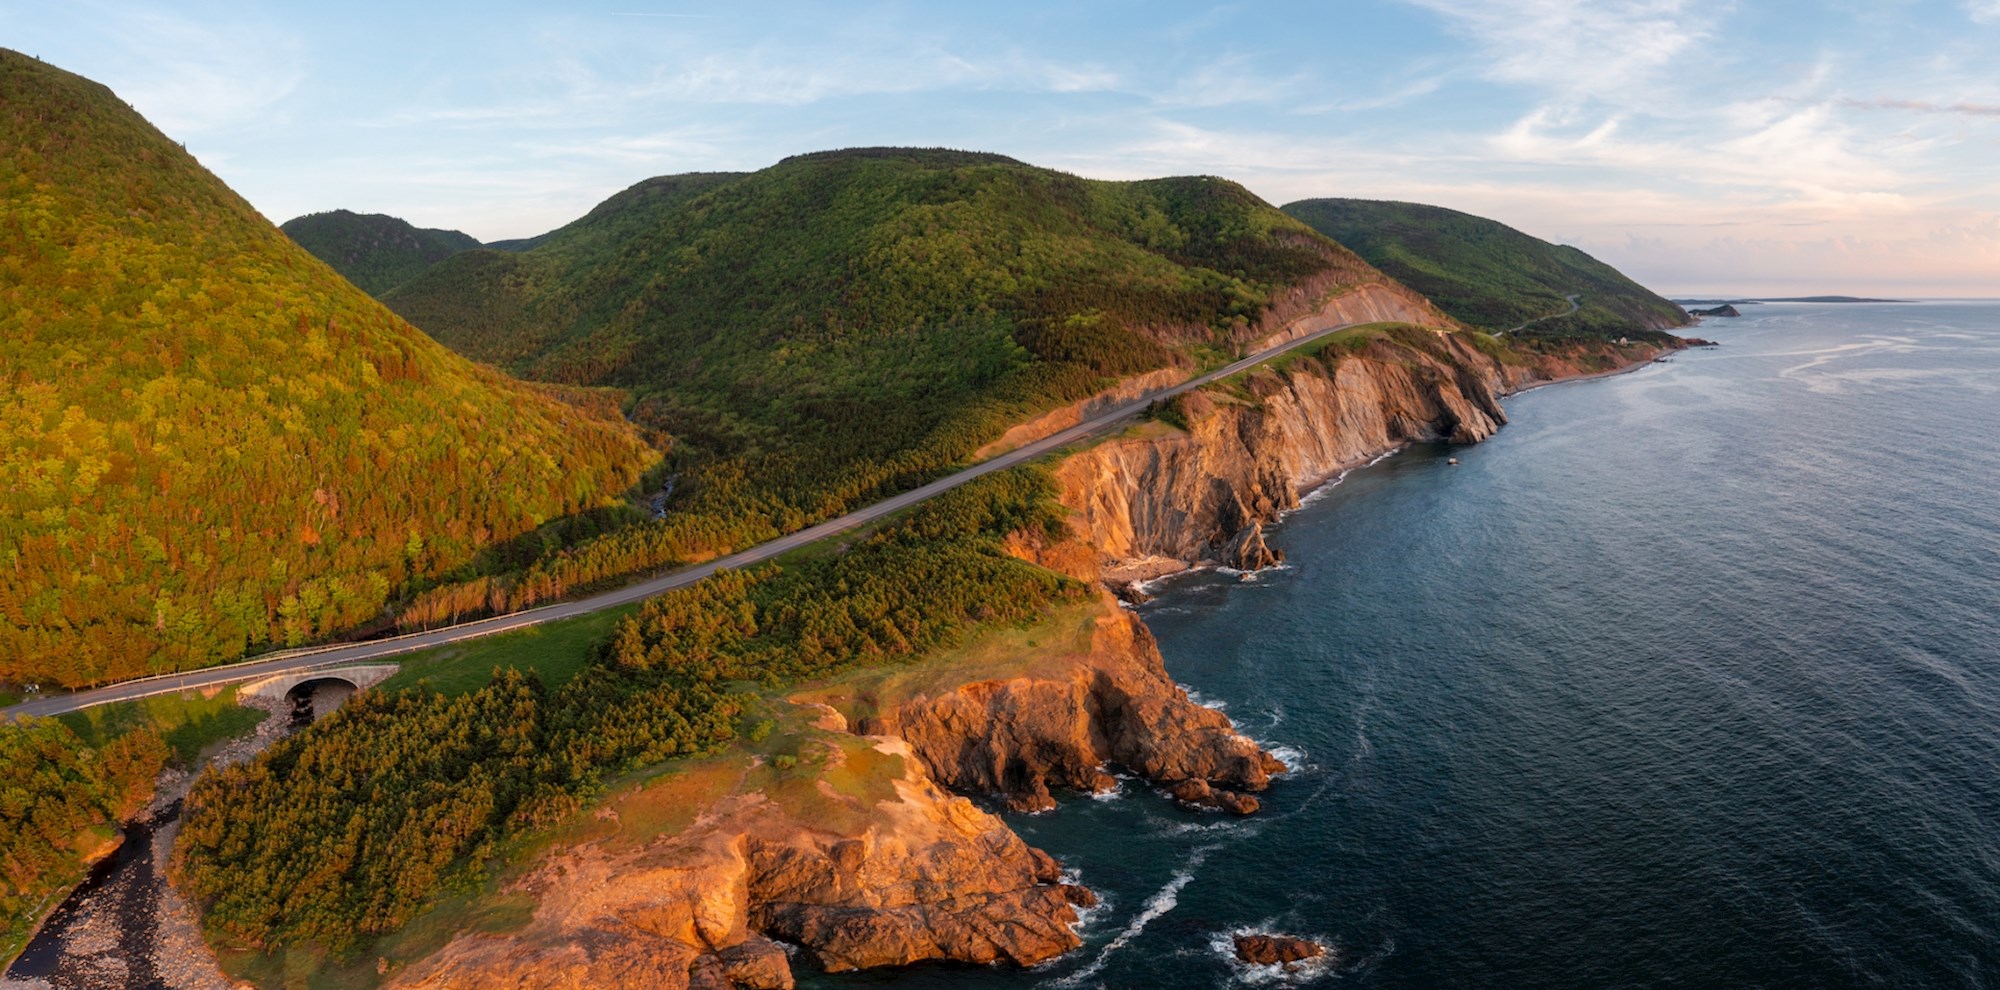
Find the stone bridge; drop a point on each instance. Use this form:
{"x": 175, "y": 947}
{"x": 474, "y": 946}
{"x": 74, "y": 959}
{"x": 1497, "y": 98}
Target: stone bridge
{"x": 324, "y": 688}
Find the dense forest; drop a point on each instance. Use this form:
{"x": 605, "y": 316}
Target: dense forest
{"x": 1489, "y": 275}
{"x": 344, "y": 832}
{"x": 209, "y": 441}
{"x": 847, "y": 324}
{"x": 60, "y": 802}
{"x": 375, "y": 252}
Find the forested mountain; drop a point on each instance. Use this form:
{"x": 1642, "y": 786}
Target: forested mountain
{"x": 848, "y": 323}
{"x": 374, "y": 251}
{"x": 209, "y": 441}
{"x": 1490, "y": 275}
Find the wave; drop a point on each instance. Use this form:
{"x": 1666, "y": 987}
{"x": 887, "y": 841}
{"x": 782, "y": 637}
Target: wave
{"x": 1162, "y": 901}
{"x": 1325, "y": 488}
{"x": 1294, "y": 758}
{"x": 1195, "y": 696}
{"x": 1086, "y": 917}
{"x": 1223, "y": 944}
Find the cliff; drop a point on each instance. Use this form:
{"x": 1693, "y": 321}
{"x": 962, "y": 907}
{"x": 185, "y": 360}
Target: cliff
{"x": 1163, "y": 500}
{"x": 1095, "y": 695}
{"x": 1302, "y": 310}
{"x": 854, "y": 855}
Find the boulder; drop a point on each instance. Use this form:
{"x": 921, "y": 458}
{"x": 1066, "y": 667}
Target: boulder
{"x": 1259, "y": 949}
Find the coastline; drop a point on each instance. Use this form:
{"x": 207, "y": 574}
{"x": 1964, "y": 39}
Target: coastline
{"x": 1131, "y": 571}
{"x": 1325, "y": 479}
{"x": 1660, "y": 358}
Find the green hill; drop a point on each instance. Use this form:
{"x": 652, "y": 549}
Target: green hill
{"x": 210, "y": 442}
{"x": 1489, "y": 275}
{"x": 374, "y": 251}
{"x": 845, "y": 324}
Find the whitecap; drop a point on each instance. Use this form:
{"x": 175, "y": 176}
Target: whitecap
{"x": 1086, "y": 917}
{"x": 1325, "y": 488}
{"x": 1162, "y": 901}
{"x": 1292, "y": 757}
{"x": 1223, "y": 944}
{"x": 1195, "y": 696}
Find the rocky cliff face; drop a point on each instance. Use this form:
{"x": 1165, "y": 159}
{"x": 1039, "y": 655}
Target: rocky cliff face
{"x": 1371, "y": 302}
{"x": 855, "y": 880}
{"x": 1301, "y": 311}
{"x": 1017, "y": 736}
{"x": 1169, "y": 499}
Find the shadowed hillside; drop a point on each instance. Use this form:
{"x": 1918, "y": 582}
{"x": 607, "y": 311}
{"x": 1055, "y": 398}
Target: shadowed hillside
{"x": 1490, "y": 275}
{"x": 374, "y": 251}
{"x": 211, "y": 443}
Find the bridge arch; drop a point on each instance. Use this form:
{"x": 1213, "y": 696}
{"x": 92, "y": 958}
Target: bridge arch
{"x": 314, "y": 698}
{"x": 311, "y": 694}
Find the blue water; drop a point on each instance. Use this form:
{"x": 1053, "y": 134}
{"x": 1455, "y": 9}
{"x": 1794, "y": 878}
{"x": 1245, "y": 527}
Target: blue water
{"x": 1690, "y": 677}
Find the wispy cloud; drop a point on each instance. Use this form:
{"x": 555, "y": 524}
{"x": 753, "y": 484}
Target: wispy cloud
{"x": 194, "y": 76}
{"x": 1580, "y": 49}
{"x": 1925, "y": 106}
{"x": 578, "y": 88}
{"x": 1984, "y": 11}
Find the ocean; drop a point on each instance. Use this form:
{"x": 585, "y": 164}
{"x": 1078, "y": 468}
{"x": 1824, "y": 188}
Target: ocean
{"x": 1689, "y": 677}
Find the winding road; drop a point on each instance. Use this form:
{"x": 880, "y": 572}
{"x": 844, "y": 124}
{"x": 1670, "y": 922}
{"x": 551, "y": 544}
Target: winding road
{"x": 1573, "y": 307}
{"x": 291, "y": 661}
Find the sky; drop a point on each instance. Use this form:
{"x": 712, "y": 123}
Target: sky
{"x": 1702, "y": 146}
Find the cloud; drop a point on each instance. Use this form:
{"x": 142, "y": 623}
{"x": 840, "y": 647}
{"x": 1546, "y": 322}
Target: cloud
{"x": 587, "y": 84}
{"x": 1925, "y": 106}
{"x": 1580, "y": 49}
{"x": 1984, "y": 11}
{"x": 193, "y": 75}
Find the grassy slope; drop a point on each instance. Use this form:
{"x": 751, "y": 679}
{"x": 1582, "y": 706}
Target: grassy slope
{"x": 1487, "y": 274}
{"x": 209, "y": 441}
{"x": 375, "y": 252}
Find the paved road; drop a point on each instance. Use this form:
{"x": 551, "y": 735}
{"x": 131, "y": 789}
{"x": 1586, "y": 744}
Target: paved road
{"x": 297, "y": 660}
{"x": 1572, "y": 308}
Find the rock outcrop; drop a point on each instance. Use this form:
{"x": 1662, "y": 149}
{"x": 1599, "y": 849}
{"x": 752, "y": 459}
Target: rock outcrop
{"x": 1259, "y": 949}
{"x": 1018, "y": 737}
{"x": 855, "y": 880}
{"x": 1290, "y": 317}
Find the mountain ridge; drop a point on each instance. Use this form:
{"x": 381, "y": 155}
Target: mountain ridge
{"x": 1490, "y": 275}
{"x": 375, "y": 251}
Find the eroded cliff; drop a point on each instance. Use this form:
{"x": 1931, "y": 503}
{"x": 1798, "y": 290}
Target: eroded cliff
{"x": 1019, "y": 720}
{"x": 1163, "y": 499}
{"x": 846, "y": 849}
